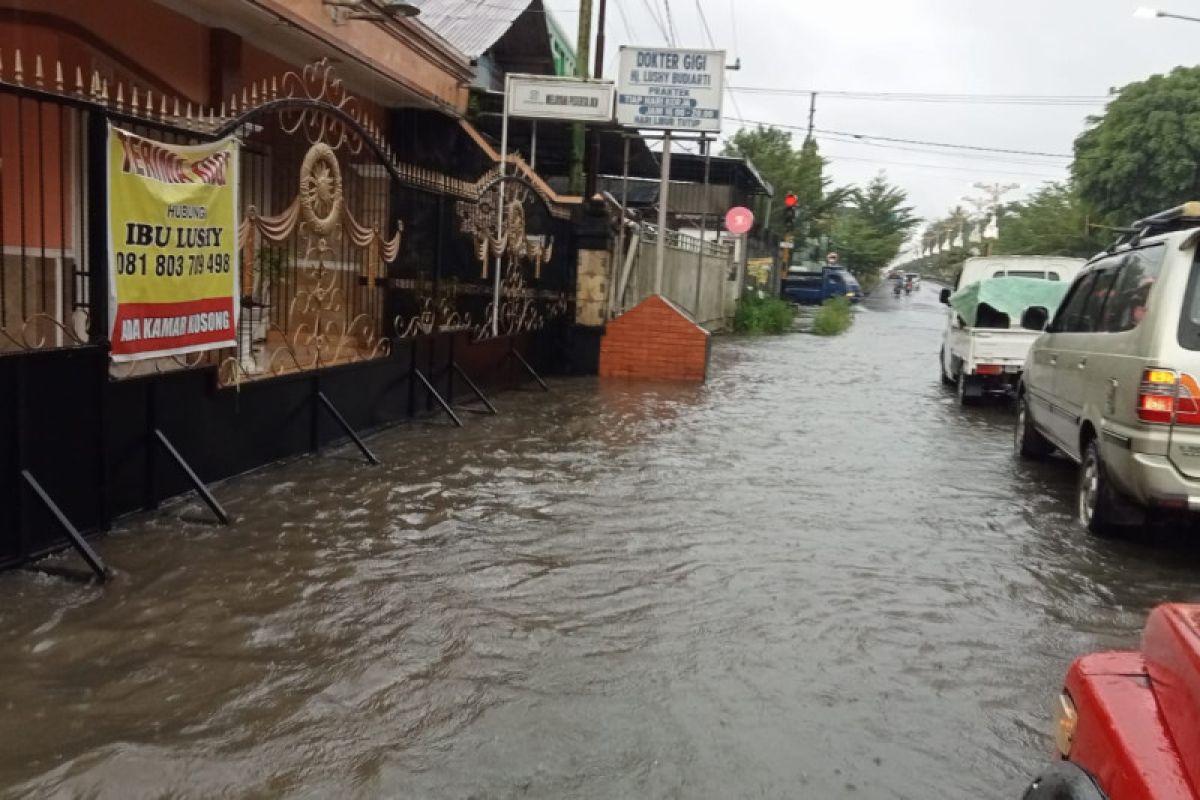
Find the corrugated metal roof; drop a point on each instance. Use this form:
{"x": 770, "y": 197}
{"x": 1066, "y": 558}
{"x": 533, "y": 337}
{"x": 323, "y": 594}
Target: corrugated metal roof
{"x": 472, "y": 26}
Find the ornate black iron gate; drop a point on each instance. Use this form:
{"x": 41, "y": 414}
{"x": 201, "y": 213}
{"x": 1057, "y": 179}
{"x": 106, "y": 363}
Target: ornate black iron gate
{"x": 367, "y": 281}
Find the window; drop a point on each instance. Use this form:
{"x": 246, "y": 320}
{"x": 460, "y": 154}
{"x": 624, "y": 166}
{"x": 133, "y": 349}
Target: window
{"x": 1131, "y": 293}
{"x": 1026, "y": 273}
{"x": 1189, "y": 320}
{"x": 1070, "y": 315}
{"x": 1098, "y": 298}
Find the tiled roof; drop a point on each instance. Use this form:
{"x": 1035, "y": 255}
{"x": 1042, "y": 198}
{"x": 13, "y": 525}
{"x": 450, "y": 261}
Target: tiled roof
{"x": 472, "y": 26}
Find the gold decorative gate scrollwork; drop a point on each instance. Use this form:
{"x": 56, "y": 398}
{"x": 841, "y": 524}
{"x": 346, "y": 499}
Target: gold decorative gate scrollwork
{"x": 521, "y": 307}
{"x": 321, "y": 330}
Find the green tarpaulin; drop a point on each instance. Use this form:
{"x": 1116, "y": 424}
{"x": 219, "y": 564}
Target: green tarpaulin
{"x": 986, "y": 304}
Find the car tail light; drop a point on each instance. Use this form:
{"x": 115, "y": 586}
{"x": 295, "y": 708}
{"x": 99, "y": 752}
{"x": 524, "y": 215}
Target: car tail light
{"x": 989, "y": 369}
{"x": 1066, "y": 720}
{"x": 1167, "y": 396}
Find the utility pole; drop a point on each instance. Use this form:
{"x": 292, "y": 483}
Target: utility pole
{"x": 812, "y": 112}
{"x": 582, "y": 58}
{"x": 600, "y": 20}
{"x": 591, "y": 139}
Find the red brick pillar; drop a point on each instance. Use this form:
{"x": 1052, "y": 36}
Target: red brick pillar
{"x": 655, "y": 340}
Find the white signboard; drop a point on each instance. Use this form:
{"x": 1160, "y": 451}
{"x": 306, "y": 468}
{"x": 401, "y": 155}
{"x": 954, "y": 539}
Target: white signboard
{"x": 542, "y": 97}
{"x": 668, "y": 89}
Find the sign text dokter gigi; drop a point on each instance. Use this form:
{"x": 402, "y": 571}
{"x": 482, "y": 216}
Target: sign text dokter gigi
{"x": 172, "y": 220}
{"x": 674, "y": 90}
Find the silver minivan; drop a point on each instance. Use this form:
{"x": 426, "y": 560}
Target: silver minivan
{"x": 1112, "y": 382}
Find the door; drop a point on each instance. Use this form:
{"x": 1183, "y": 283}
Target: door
{"x": 1080, "y": 345}
{"x": 1041, "y": 385}
{"x": 835, "y": 285}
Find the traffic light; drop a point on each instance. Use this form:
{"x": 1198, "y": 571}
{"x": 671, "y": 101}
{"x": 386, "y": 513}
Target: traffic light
{"x": 789, "y": 209}
{"x": 790, "y": 201}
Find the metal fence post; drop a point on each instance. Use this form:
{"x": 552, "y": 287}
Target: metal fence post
{"x": 97, "y": 227}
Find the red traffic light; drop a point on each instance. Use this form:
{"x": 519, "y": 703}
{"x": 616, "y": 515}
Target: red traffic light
{"x": 790, "y": 201}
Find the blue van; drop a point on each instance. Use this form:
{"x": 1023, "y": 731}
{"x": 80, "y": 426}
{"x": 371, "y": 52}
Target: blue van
{"x": 814, "y": 288}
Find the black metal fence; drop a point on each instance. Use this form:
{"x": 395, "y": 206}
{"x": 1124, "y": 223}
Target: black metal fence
{"x": 372, "y": 316}
{"x": 44, "y": 295}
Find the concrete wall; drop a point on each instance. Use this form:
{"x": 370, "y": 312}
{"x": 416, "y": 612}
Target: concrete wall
{"x": 696, "y": 277}
{"x": 591, "y": 290}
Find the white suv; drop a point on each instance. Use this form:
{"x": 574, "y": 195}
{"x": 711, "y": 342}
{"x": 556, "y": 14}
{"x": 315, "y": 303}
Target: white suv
{"x": 1112, "y": 382}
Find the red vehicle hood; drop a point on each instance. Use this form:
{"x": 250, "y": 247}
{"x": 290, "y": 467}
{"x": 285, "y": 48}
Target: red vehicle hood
{"x": 1171, "y": 651}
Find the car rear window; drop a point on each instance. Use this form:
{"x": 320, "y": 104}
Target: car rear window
{"x": 1024, "y": 273}
{"x": 1189, "y": 320}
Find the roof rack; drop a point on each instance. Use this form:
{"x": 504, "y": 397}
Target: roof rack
{"x": 1173, "y": 219}
{"x": 1180, "y": 218}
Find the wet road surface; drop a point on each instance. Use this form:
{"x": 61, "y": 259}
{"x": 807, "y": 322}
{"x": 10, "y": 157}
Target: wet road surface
{"x": 813, "y": 577}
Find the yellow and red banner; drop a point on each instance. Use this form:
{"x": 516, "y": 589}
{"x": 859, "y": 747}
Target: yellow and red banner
{"x": 172, "y": 242}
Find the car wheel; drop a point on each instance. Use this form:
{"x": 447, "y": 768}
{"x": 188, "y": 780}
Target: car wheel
{"x": 1101, "y": 509}
{"x": 964, "y": 397}
{"x": 941, "y": 367}
{"x": 946, "y": 379}
{"x": 1027, "y": 440}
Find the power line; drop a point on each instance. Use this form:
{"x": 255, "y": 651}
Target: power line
{"x": 670, "y": 22}
{"x": 733, "y": 19}
{"x": 1029, "y": 162}
{"x": 624, "y": 20}
{"x": 982, "y": 172}
{"x": 712, "y": 42}
{"x": 704, "y": 22}
{"x": 657, "y": 20}
{"x": 948, "y": 145}
{"x": 934, "y": 97}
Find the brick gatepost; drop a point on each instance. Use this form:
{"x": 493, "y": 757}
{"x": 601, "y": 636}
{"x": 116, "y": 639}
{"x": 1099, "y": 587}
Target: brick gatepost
{"x": 655, "y": 340}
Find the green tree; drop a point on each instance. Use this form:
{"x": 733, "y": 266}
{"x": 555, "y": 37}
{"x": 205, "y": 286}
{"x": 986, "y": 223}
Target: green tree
{"x": 771, "y": 151}
{"x": 1052, "y": 222}
{"x": 790, "y": 170}
{"x": 869, "y": 232}
{"x": 1143, "y": 154}
{"x": 883, "y": 205}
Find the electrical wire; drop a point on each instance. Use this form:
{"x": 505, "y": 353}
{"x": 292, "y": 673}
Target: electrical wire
{"x": 670, "y": 22}
{"x": 1000, "y": 159}
{"x": 624, "y": 20}
{"x": 893, "y": 139}
{"x": 704, "y": 22}
{"x": 944, "y": 167}
{"x": 934, "y": 97}
{"x": 657, "y": 20}
{"x": 734, "y": 28}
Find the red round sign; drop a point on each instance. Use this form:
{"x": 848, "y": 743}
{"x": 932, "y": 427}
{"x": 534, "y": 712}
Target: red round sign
{"x": 739, "y": 220}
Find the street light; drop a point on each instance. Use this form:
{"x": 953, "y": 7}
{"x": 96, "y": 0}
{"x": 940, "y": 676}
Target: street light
{"x": 1153, "y": 13}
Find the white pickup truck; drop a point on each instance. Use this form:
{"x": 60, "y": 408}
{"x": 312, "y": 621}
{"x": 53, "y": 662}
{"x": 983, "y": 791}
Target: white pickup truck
{"x": 986, "y": 356}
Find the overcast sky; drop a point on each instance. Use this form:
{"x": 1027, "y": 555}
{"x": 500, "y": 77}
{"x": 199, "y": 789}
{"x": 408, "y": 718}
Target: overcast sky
{"x": 1008, "y": 47}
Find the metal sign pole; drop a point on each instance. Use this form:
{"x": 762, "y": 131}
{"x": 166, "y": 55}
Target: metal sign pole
{"x": 660, "y": 245}
{"x": 500, "y": 211}
{"x": 533, "y": 148}
{"x": 613, "y": 299}
{"x": 703, "y": 222}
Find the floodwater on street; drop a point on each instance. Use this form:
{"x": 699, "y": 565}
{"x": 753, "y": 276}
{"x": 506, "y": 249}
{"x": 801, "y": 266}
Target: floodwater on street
{"x": 814, "y": 576}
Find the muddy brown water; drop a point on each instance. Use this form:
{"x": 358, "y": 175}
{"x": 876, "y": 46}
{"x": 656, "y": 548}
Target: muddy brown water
{"x": 813, "y": 577}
